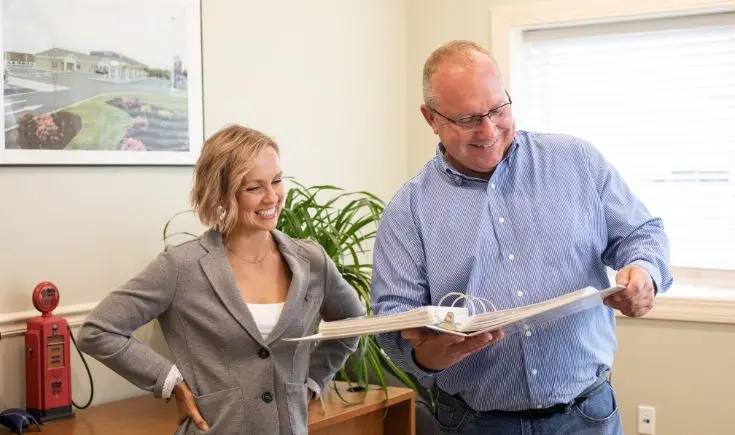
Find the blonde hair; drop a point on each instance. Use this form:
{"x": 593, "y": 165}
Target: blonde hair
{"x": 226, "y": 157}
{"x": 463, "y": 50}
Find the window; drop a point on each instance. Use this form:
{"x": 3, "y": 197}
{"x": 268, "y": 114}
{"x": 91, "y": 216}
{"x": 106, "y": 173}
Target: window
{"x": 657, "y": 97}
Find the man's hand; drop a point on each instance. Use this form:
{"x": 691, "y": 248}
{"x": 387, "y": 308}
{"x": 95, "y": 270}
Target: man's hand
{"x": 187, "y": 407}
{"x": 637, "y": 298}
{"x": 437, "y": 352}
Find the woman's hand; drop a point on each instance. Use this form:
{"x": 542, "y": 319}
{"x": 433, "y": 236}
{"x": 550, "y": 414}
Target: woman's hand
{"x": 187, "y": 407}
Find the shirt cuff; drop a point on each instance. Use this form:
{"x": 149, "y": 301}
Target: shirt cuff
{"x": 314, "y": 387}
{"x": 425, "y": 376}
{"x": 422, "y": 368}
{"x": 174, "y": 378}
{"x": 653, "y": 271}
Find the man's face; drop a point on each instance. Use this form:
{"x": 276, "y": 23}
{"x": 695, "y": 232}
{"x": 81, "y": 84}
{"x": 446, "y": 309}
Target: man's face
{"x": 462, "y": 90}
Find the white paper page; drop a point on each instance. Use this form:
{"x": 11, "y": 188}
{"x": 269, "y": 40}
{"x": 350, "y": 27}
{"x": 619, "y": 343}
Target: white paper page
{"x": 431, "y": 317}
{"x": 552, "y": 312}
{"x": 415, "y": 318}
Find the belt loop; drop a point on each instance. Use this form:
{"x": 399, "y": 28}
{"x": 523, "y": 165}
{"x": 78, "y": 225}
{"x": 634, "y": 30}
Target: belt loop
{"x": 601, "y": 379}
{"x": 455, "y": 401}
{"x": 568, "y": 407}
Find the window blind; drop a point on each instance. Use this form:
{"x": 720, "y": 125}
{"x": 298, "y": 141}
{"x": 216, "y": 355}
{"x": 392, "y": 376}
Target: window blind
{"x": 657, "y": 97}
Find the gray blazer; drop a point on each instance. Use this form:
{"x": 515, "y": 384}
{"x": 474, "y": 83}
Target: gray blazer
{"x": 242, "y": 383}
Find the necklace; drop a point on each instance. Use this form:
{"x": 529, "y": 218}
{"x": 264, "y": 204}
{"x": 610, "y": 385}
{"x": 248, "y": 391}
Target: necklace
{"x": 256, "y": 261}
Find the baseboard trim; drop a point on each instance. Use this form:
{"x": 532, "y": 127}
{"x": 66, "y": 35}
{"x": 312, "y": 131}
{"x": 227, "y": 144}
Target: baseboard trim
{"x": 13, "y": 324}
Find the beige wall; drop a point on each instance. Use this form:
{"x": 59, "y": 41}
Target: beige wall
{"x": 321, "y": 79}
{"x": 431, "y": 23}
{"x": 326, "y": 78}
{"x": 681, "y": 368}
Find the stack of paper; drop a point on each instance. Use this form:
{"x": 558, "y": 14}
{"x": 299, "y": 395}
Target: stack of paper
{"x": 456, "y": 320}
{"x": 415, "y": 318}
{"x": 541, "y": 312}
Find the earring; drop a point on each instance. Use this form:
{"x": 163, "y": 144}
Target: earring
{"x": 222, "y": 212}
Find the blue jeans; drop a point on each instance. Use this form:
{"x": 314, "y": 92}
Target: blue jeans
{"x": 598, "y": 414}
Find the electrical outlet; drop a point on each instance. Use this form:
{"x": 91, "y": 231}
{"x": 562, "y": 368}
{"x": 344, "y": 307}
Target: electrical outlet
{"x": 646, "y": 420}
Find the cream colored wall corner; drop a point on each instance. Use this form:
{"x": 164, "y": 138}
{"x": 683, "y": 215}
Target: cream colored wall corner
{"x": 325, "y": 78}
{"x": 430, "y": 23}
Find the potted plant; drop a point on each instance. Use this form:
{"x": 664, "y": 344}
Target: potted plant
{"x": 344, "y": 224}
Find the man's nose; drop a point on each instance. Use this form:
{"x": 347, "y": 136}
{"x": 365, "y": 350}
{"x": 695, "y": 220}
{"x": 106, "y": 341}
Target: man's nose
{"x": 487, "y": 128}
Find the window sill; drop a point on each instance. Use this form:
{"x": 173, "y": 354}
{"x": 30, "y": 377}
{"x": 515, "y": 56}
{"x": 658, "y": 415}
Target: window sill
{"x": 694, "y": 304}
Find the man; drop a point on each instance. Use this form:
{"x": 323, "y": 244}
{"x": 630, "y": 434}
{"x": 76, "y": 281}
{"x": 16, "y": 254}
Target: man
{"x": 515, "y": 217}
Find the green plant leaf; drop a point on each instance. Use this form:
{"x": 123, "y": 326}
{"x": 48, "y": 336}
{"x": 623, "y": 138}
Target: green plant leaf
{"x": 170, "y": 220}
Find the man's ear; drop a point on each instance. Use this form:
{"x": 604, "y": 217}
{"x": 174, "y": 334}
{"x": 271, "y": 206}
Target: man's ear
{"x": 429, "y": 117}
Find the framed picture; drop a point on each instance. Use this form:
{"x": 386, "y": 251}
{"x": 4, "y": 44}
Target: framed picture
{"x": 89, "y": 82}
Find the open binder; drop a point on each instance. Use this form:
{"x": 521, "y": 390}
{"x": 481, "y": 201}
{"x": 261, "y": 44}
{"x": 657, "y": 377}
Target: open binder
{"x": 471, "y": 319}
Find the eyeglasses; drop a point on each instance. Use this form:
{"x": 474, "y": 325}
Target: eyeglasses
{"x": 474, "y": 121}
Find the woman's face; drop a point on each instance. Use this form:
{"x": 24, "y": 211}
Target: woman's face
{"x": 260, "y": 196}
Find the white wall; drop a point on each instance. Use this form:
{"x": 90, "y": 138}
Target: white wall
{"x": 326, "y": 78}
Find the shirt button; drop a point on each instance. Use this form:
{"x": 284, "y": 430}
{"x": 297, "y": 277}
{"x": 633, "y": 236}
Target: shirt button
{"x": 520, "y": 293}
{"x": 511, "y": 256}
{"x": 267, "y": 397}
{"x": 263, "y": 353}
{"x": 492, "y": 185}
{"x": 533, "y": 372}
{"x": 501, "y": 220}
{"x": 528, "y": 332}
{"x": 539, "y": 406}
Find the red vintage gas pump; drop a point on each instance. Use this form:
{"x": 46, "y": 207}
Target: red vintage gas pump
{"x": 48, "y": 370}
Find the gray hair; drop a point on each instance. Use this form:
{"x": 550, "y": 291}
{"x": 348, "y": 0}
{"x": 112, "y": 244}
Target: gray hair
{"x": 463, "y": 50}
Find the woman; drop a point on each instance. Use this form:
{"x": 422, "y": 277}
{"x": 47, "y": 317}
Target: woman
{"x": 225, "y": 300}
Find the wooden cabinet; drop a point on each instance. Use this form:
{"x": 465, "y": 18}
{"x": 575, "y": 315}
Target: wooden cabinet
{"x": 375, "y": 415}
{"x": 146, "y": 415}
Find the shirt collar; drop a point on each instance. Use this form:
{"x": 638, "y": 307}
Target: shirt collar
{"x": 457, "y": 177}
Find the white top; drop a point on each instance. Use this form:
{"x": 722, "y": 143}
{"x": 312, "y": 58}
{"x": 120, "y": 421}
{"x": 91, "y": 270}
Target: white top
{"x": 266, "y": 316}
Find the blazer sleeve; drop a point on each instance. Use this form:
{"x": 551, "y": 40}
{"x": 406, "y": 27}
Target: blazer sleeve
{"x": 106, "y": 334}
{"x": 340, "y": 302}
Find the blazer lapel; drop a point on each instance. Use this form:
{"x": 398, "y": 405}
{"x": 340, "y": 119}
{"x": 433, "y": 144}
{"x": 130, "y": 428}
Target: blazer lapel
{"x": 297, "y": 291}
{"x": 217, "y": 269}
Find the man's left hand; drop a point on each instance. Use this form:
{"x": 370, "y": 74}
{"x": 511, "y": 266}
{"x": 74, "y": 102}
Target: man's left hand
{"x": 637, "y": 298}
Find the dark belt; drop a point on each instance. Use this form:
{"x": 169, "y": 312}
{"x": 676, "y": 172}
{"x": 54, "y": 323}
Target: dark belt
{"x": 537, "y": 413}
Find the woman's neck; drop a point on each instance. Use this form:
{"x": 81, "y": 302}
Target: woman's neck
{"x": 249, "y": 245}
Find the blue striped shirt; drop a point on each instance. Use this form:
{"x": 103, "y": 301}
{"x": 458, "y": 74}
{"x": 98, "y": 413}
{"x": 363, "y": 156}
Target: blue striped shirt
{"x": 552, "y": 216}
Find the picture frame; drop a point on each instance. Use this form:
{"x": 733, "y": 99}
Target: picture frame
{"x": 101, "y": 83}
